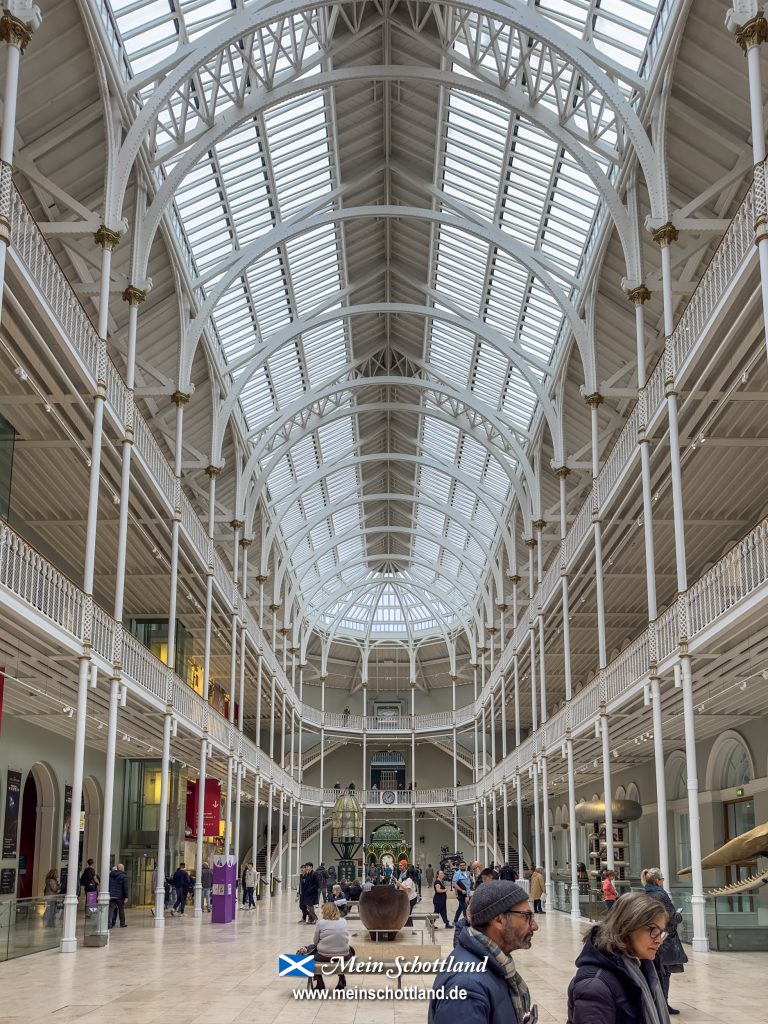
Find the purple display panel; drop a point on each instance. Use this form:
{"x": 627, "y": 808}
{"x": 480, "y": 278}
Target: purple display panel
{"x": 224, "y": 891}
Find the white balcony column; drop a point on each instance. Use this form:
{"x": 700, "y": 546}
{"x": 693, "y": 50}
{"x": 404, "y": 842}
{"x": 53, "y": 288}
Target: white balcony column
{"x": 520, "y": 843}
{"x": 661, "y": 782}
{"x": 198, "y": 892}
{"x": 607, "y": 786}
{"x": 281, "y": 843}
{"x": 594, "y": 401}
{"x": 322, "y": 732}
{"x": 292, "y": 758}
{"x": 483, "y": 745}
{"x": 476, "y": 773}
{"x": 502, "y": 606}
{"x": 283, "y": 716}
{"x": 233, "y": 674}
{"x": 487, "y": 858}
{"x": 268, "y": 853}
{"x": 245, "y": 543}
{"x": 284, "y": 634}
{"x": 109, "y": 785}
{"x": 545, "y": 831}
{"x": 159, "y": 918}
{"x": 69, "y": 926}
{"x": 259, "y": 679}
{"x": 750, "y": 30}
{"x": 492, "y": 717}
{"x": 530, "y": 543}
{"x": 413, "y": 833}
{"x": 495, "y": 826}
{"x": 542, "y": 669}
{"x": 700, "y": 941}
{"x": 455, "y": 828}
{"x": 299, "y": 815}
{"x": 505, "y": 820}
{"x": 238, "y": 812}
{"x": 179, "y": 399}
{"x": 212, "y": 472}
{"x": 536, "y": 814}
{"x": 454, "y": 754}
{"x": 230, "y": 801}
{"x": 477, "y": 828}
{"x": 534, "y": 695}
{"x": 289, "y": 859}
{"x": 503, "y": 702}
{"x": 255, "y": 826}
{"x": 261, "y": 579}
{"x": 300, "y": 753}
{"x": 665, "y": 236}
{"x": 272, "y": 702}
{"x": 18, "y": 22}
{"x": 274, "y": 608}
{"x": 572, "y": 836}
{"x": 366, "y": 781}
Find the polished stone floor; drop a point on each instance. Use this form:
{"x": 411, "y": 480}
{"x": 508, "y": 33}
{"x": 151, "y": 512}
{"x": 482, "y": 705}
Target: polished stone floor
{"x": 193, "y": 972}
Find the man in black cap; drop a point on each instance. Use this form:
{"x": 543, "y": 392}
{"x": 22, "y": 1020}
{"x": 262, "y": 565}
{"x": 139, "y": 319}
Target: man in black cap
{"x": 501, "y": 921}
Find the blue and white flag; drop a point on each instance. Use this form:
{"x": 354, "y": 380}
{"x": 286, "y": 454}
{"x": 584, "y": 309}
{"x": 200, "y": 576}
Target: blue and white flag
{"x": 292, "y": 965}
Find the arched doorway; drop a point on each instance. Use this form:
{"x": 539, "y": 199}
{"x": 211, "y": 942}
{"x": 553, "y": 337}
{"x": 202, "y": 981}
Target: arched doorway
{"x": 92, "y": 811}
{"x": 27, "y": 837}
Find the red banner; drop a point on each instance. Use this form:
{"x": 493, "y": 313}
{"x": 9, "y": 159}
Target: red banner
{"x": 211, "y": 808}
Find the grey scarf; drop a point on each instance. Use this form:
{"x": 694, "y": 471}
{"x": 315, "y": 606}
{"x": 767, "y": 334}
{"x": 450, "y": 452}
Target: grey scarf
{"x": 654, "y": 1004}
{"x": 518, "y": 990}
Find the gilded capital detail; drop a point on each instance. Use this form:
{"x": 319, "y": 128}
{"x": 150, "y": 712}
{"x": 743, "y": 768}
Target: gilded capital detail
{"x": 637, "y": 296}
{"x": 752, "y": 33}
{"x": 179, "y": 398}
{"x": 666, "y": 234}
{"x": 212, "y": 470}
{"x": 15, "y": 32}
{"x": 134, "y": 296}
{"x": 107, "y": 238}
{"x": 594, "y": 400}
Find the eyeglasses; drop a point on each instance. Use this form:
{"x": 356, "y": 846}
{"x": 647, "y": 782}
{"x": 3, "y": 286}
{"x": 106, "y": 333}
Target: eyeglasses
{"x": 656, "y": 933}
{"x": 527, "y": 914}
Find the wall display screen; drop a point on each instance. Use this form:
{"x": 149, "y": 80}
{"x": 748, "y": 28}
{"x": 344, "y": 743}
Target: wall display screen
{"x": 66, "y": 829}
{"x": 11, "y": 825}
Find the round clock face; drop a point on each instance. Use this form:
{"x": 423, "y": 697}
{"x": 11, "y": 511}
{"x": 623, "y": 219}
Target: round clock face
{"x": 388, "y": 797}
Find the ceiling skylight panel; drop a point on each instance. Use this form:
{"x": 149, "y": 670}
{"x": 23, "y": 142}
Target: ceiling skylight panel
{"x": 430, "y": 519}
{"x": 149, "y": 31}
{"x": 304, "y": 457}
{"x": 463, "y": 500}
{"x": 336, "y": 438}
{"x": 286, "y": 374}
{"x": 314, "y": 267}
{"x": 341, "y": 483}
{"x": 475, "y": 144}
{"x": 460, "y": 270}
{"x": 299, "y": 142}
{"x": 313, "y": 500}
{"x": 494, "y": 479}
{"x": 433, "y": 483}
{"x": 202, "y": 15}
{"x": 346, "y": 519}
{"x": 325, "y": 351}
{"x": 439, "y": 437}
{"x": 489, "y": 374}
{"x": 270, "y": 296}
{"x": 519, "y": 401}
{"x": 257, "y": 399}
{"x": 450, "y": 352}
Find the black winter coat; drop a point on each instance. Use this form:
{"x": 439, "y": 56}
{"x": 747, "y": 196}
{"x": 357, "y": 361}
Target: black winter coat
{"x": 118, "y": 885}
{"x": 489, "y": 1000}
{"x": 181, "y": 881}
{"x": 603, "y": 991}
{"x": 310, "y": 891}
{"x": 671, "y": 954}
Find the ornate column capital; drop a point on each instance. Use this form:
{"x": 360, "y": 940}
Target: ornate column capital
{"x": 594, "y": 400}
{"x": 134, "y": 296}
{"x": 179, "y": 398}
{"x": 245, "y": 542}
{"x": 539, "y": 524}
{"x": 514, "y": 579}
{"x": 750, "y": 33}
{"x": 212, "y": 471}
{"x": 107, "y": 238}
{"x": 637, "y": 296}
{"x": 236, "y": 524}
{"x": 666, "y": 234}
{"x": 530, "y": 542}
{"x": 18, "y": 22}
{"x": 562, "y": 471}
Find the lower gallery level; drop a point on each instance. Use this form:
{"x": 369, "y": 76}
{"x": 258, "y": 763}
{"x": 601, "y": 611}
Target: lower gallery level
{"x": 201, "y": 973}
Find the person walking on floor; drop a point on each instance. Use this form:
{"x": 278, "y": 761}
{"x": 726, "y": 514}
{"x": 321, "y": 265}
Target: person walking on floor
{"x": 501, "y": 922}
{"x": 408, "y": 885}
{"x": 50, "y": 890}
{"x": 206, "y": 881}
{"x": 616, "y": 980}
{"x": 250, "y": 885}
{"x": 460, "y": 884}
{"x": 440, "y": 897}
{"x": 609, "y": 890}
{"x": 671, "y": 958}
{"x": 311, "y": 893}
{"x": 538, "y": 889}
{"x": 118, "y": 895}
{"x": 89, "y": 880}
{"x": 182, "y": 883}
{"x": 430, "y": 875}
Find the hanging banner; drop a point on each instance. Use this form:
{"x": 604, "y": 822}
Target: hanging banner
{"x": 11, "y": 826}
{"x": 211, "y": 808}
{"x": 66, "y": 831}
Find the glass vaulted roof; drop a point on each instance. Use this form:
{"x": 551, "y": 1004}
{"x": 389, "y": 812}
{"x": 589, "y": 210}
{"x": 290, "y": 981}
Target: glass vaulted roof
{"x": 387, "y": 520}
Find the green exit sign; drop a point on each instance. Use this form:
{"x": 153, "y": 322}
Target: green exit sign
{"x": 739, "y": 792}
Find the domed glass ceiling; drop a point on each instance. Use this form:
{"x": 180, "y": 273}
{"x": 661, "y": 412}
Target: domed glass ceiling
{"x": 354, "y": 487}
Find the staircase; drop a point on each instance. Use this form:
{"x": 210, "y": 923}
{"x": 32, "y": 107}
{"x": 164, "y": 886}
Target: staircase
{"x": 463, "y": 755}
{"x": 466, "y": 830}
{"x": 312, "y": 754}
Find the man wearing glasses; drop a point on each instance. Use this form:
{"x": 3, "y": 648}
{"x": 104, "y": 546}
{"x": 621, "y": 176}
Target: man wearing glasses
{"x": 501, "y": 921}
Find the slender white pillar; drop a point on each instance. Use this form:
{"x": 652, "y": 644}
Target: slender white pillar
{"x": 594, "y": 401}
{"x": 505, "y": 819}
{"x": 607, "y": 784}
{"x": 281, "y": 842}
{"x": 545, "y": 830}
{"x": 179, "y": 399}
{"x": 534, "y": 702}
{"x": 700, "y": 941}
{"x": 230, "y": 801}
{"x": 485, "y": 830}
{"x": 661, "y": 782}
{"x": 520, "y": 841}
{"x": 575, "y": 904}
{"x": 109, "y": 789}
{"x": 162, "y": 824}
{"x": 536, "y": 816}
{"x": 268, "y": 854}
{"x": 69, "y": 939}
{"x": 255, "y": 826}
{"x": 455, "y": 828}
{"x": 212, "y": 472}
{"x": 259, "y": 679}
{"x": 198, "y": 893}
{"x": 238, "y": 811}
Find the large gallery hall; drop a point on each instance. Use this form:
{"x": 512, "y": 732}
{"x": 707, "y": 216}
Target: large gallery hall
{"x": 383, "y": 460}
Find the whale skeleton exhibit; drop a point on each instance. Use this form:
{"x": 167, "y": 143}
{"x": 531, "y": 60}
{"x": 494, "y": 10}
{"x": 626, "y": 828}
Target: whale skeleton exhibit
{"x": 744, "y": 848}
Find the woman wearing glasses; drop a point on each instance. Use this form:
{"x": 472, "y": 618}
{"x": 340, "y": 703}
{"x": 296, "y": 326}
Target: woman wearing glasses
{"x": 671, "y": 958}
{"x": 616, "y": 979}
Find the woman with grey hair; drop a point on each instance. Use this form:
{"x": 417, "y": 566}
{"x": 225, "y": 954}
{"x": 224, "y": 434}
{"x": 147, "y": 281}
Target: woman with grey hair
{"x": 616, "y": 979}
{"x": 672, "y": 957}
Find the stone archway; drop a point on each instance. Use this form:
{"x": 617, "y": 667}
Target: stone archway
{"x": 93, "y": 803}
{"x": 47, "y": 838}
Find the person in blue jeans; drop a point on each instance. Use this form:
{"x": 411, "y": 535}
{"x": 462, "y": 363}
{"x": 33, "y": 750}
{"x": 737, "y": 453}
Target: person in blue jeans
{"x": 206, "y": 880}
{"x": 461, "y": 886}
{"x": 182, "y": 883}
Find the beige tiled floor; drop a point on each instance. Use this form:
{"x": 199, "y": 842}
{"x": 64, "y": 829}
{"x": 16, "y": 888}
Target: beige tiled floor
{"x": 194, "y": 972}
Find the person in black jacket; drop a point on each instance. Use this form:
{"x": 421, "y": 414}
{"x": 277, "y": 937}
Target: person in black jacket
{"x": 182, "y": 883}
{"x": 501, "y": 921}
{"x": 310, "y": 893}
{"x": 616, "y": 979}
{"x": 671, "y": 958}
{"x": 441, "y": 896}
{"x": 118, "y": 895}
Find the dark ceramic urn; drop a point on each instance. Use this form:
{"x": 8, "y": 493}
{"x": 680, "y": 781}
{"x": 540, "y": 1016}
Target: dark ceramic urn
{"x": 384, "y": 911}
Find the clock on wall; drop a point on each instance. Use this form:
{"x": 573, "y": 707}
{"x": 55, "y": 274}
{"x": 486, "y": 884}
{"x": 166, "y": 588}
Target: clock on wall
{"x": 388, "y": 797}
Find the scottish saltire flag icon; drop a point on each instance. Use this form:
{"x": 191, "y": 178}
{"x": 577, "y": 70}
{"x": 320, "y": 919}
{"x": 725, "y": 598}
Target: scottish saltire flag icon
{"x": 291, "y": 965}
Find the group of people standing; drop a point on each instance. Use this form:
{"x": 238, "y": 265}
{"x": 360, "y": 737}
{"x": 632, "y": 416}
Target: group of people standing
{"x": 622, "y": 972}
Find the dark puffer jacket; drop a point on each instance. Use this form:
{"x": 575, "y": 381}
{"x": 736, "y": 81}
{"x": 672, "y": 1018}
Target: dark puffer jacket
{"x": 604, "y": 992}
{"x": 118, "y": 885}
{"x": 671, "y": 954}
{"x": 488, "y": 1001}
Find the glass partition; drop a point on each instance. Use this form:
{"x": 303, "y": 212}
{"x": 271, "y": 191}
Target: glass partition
{"x": 30, "y": 925}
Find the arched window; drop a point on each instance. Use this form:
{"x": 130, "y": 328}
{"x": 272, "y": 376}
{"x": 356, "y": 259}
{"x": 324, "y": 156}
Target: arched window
{"x": 635, "y": 855}
{"x": 676, "y": 774}
{"x": 730, "y": 763}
